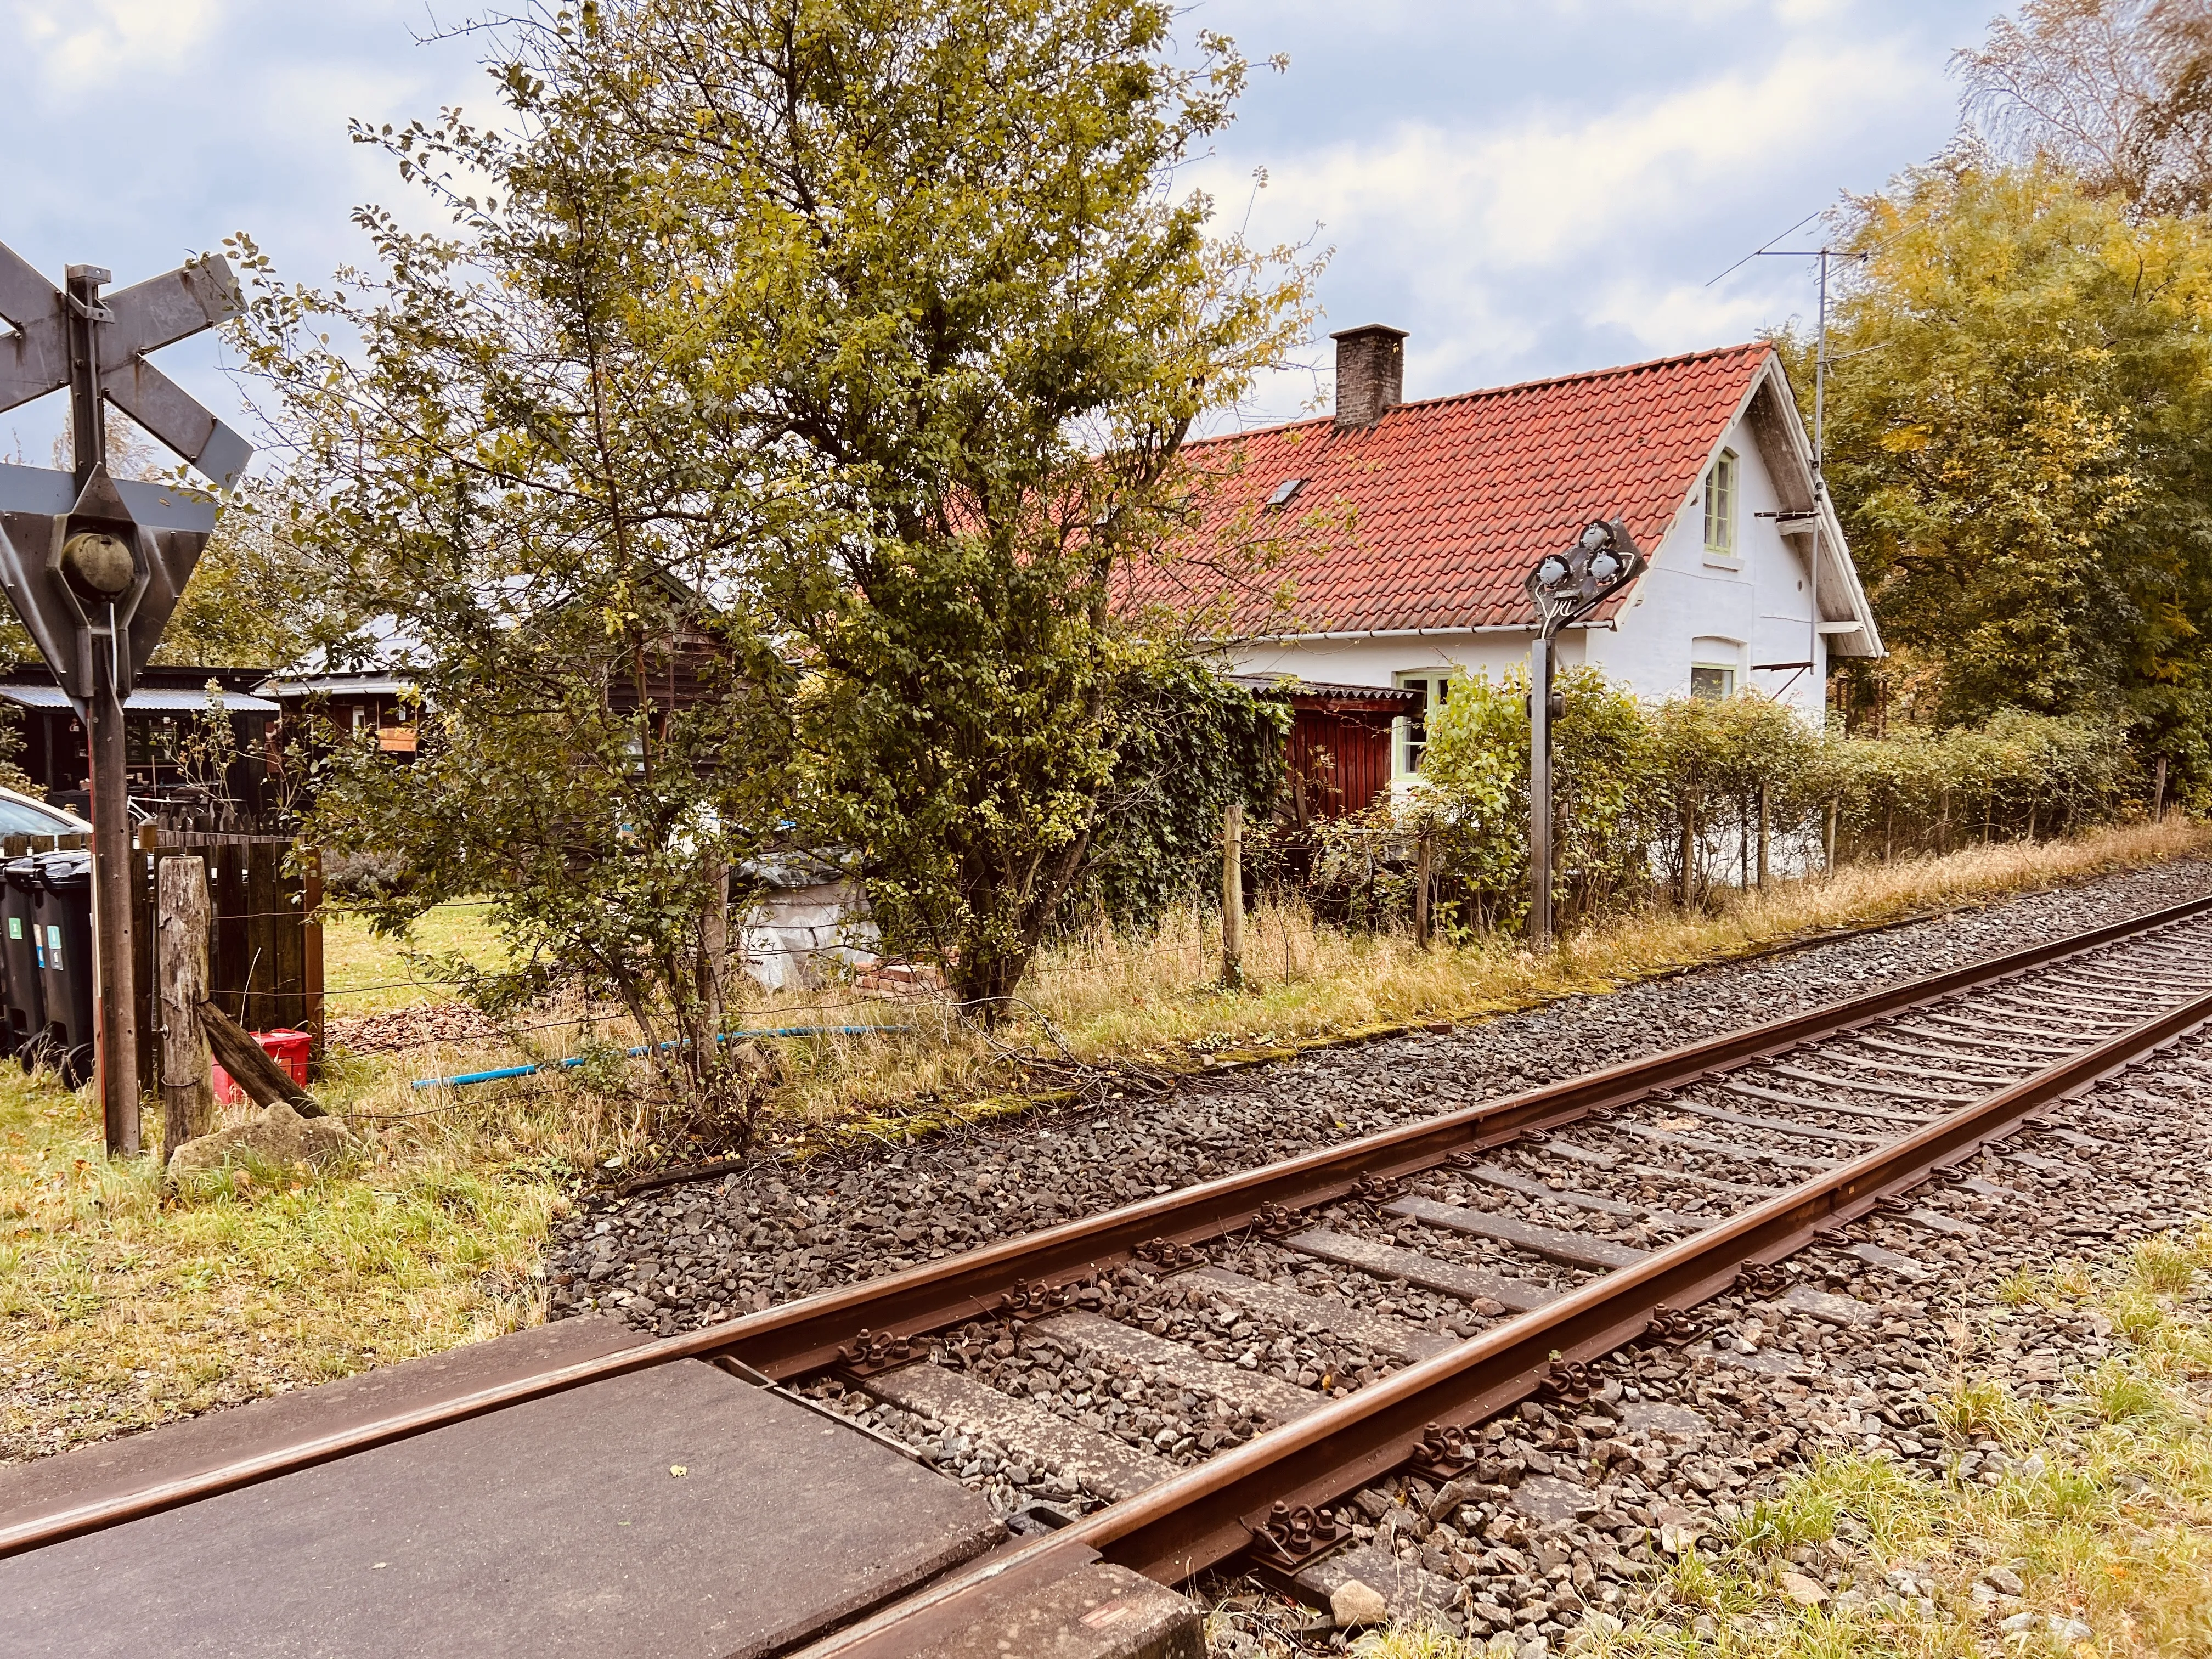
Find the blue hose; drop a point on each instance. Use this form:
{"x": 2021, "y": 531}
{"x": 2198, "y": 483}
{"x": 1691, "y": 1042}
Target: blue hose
{"x": 551, "y": 1065}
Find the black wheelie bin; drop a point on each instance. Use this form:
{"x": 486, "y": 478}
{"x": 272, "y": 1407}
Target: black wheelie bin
{"x": 22, "y": 1004}
{"x": 63, "y": 914}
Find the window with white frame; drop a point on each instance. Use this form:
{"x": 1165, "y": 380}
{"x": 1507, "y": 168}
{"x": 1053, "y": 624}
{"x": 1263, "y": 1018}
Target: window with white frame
{"x": 1711, "y": 681}
{"x": 1433, "y": 686}
{"x": 1720, "y": 505}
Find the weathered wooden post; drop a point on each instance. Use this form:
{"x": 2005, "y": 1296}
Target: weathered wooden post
{"x": 1765, "y": 831}
{"x": 181, "y": 966}
{"x": 1422, "y": 877}
{"x": 1232, "y": 894}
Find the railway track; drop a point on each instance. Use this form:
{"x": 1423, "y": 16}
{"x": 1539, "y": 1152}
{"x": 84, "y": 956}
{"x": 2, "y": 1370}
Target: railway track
{"x": 1212, "y": 1372}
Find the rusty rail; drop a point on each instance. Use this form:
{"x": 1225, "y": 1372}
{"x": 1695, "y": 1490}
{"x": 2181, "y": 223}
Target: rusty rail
{"x": 805, "y": 1335}
{"x": 1194, "y": 1520}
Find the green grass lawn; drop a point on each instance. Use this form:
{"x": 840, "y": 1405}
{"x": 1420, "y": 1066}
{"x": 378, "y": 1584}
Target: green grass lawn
{"x": 364, "y": 973}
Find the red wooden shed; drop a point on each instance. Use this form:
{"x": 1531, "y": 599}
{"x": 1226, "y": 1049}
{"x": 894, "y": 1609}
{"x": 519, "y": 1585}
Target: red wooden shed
{"x": 1340, "y": 742}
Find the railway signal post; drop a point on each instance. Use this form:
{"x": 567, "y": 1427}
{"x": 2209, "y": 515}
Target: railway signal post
{"x": 95, "y": 565}
{"x": 1565, "y": 587}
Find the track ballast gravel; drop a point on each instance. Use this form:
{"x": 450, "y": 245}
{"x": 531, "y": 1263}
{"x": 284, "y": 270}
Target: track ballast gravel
{"x": 678, "y": 1259}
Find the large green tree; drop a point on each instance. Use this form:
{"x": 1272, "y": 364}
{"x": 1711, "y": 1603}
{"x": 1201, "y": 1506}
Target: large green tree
{"x": 497, "y": 466}
{"x": 930, "y": 261}
{"x": 881, "y": 326}
{"x": 2019, "y": 426}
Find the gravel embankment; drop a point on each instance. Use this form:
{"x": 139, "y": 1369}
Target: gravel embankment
{"x": 680, "y": 1258}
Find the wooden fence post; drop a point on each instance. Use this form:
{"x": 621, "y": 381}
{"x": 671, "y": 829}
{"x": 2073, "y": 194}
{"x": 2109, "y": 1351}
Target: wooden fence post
{"x": 1232, "y": 894}
{"x": 1422, "y": 856}
{"x": 1688, "y": 893}
{"x": 182, "y": 935}
{"x": 1765, "y": 831}
{"x": 311, "y": 956}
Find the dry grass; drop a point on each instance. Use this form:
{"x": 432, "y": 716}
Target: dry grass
{"x": 1110, "y": 999}
{"x": 123, "y": 1305}
{"x": 2105, "y": 1515}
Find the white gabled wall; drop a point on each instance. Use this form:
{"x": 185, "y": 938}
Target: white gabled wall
{"x": 1690, "y": 601}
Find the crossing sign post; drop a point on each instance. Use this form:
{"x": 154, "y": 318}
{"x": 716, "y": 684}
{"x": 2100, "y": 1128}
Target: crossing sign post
{"x": 95, "y": 565}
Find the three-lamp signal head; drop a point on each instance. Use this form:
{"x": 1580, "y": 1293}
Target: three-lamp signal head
{"x": 1603, "y": 560}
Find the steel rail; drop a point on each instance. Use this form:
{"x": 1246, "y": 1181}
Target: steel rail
{"x": 805, "y": 1335}
{"x": 1192, "y": 1520}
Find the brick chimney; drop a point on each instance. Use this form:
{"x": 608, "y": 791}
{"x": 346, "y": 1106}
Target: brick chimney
{"x": 1370, "y": 372}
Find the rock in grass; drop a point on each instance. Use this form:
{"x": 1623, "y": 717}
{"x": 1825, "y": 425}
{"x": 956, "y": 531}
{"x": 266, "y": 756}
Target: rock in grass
{"x": 1805, "y": 1592}
{"x": 276, "y": 1136}
{"x": 1352, "y": 1604}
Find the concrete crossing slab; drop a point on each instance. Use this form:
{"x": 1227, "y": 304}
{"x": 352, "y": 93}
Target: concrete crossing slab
{"x": 676, "y": 1511}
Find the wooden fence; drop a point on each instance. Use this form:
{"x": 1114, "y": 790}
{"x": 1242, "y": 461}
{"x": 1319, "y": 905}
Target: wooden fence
{"x": 265, "y": 940}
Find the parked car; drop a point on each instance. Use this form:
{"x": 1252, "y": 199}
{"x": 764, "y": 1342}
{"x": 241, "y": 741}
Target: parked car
{"x": 25, "y": 815}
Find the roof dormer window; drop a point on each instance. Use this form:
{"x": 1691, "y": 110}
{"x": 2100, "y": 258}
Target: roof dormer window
{"x": 1720, "y": 505}
{"x": 1283, "y": 491}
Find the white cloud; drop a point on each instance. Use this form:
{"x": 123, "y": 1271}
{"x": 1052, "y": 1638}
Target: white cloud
{"x": 77, "y": 43}
{"x": 1502, "y": 241}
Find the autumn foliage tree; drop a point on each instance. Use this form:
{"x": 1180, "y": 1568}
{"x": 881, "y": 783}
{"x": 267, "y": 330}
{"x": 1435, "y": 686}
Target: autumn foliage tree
{"x": 878, "y": 329}
{"x": 2020, "y": 422}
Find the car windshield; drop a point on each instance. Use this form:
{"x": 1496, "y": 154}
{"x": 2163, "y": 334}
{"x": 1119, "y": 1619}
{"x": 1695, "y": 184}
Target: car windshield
{"x": 21, "y": 817}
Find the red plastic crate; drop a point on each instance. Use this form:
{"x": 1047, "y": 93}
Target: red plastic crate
{"x": 290, "y": 1049}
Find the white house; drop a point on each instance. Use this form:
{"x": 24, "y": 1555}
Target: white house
{"x": 1414, "y": 525}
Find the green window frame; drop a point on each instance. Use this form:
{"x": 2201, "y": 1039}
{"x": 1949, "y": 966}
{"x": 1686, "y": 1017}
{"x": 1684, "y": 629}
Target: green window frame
{"x": 1720, "y": 505}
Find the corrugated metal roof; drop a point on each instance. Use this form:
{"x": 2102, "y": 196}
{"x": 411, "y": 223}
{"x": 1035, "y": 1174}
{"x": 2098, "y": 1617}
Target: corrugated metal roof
{"x": 369, "y": 683}
{"x": 145, "y": 701}
{"x": 1291, "y": 686}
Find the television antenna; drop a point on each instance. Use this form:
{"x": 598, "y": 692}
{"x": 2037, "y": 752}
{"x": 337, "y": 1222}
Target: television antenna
{"x": 1824, "y": 254}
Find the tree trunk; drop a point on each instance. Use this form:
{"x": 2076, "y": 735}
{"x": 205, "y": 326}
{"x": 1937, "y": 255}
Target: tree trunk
{"x": 985, "y": 984}
{"x": 1829, "y": 853}
{"x": 180, "y": 933}
{"x": 2158, "y": 793}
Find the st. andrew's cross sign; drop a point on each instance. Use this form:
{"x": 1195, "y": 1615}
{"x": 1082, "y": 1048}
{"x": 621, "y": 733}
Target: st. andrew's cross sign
{"x": 95, "y": 565}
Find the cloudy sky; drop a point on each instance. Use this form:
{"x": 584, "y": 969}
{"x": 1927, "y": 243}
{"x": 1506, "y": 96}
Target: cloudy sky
{"x": 1529, "y": 188}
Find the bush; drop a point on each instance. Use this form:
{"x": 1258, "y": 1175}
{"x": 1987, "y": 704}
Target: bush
{"x": 1693, "y": 794}
{"x": 1186, "y": 743}
{"x": 1605, "y": 769}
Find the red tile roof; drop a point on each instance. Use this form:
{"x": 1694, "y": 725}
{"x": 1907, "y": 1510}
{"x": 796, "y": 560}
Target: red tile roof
{"x": 1450, "y": 501}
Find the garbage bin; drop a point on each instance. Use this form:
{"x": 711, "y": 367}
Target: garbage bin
{"x": 62, "y": 913}
{"x": 22, "y": 1009}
